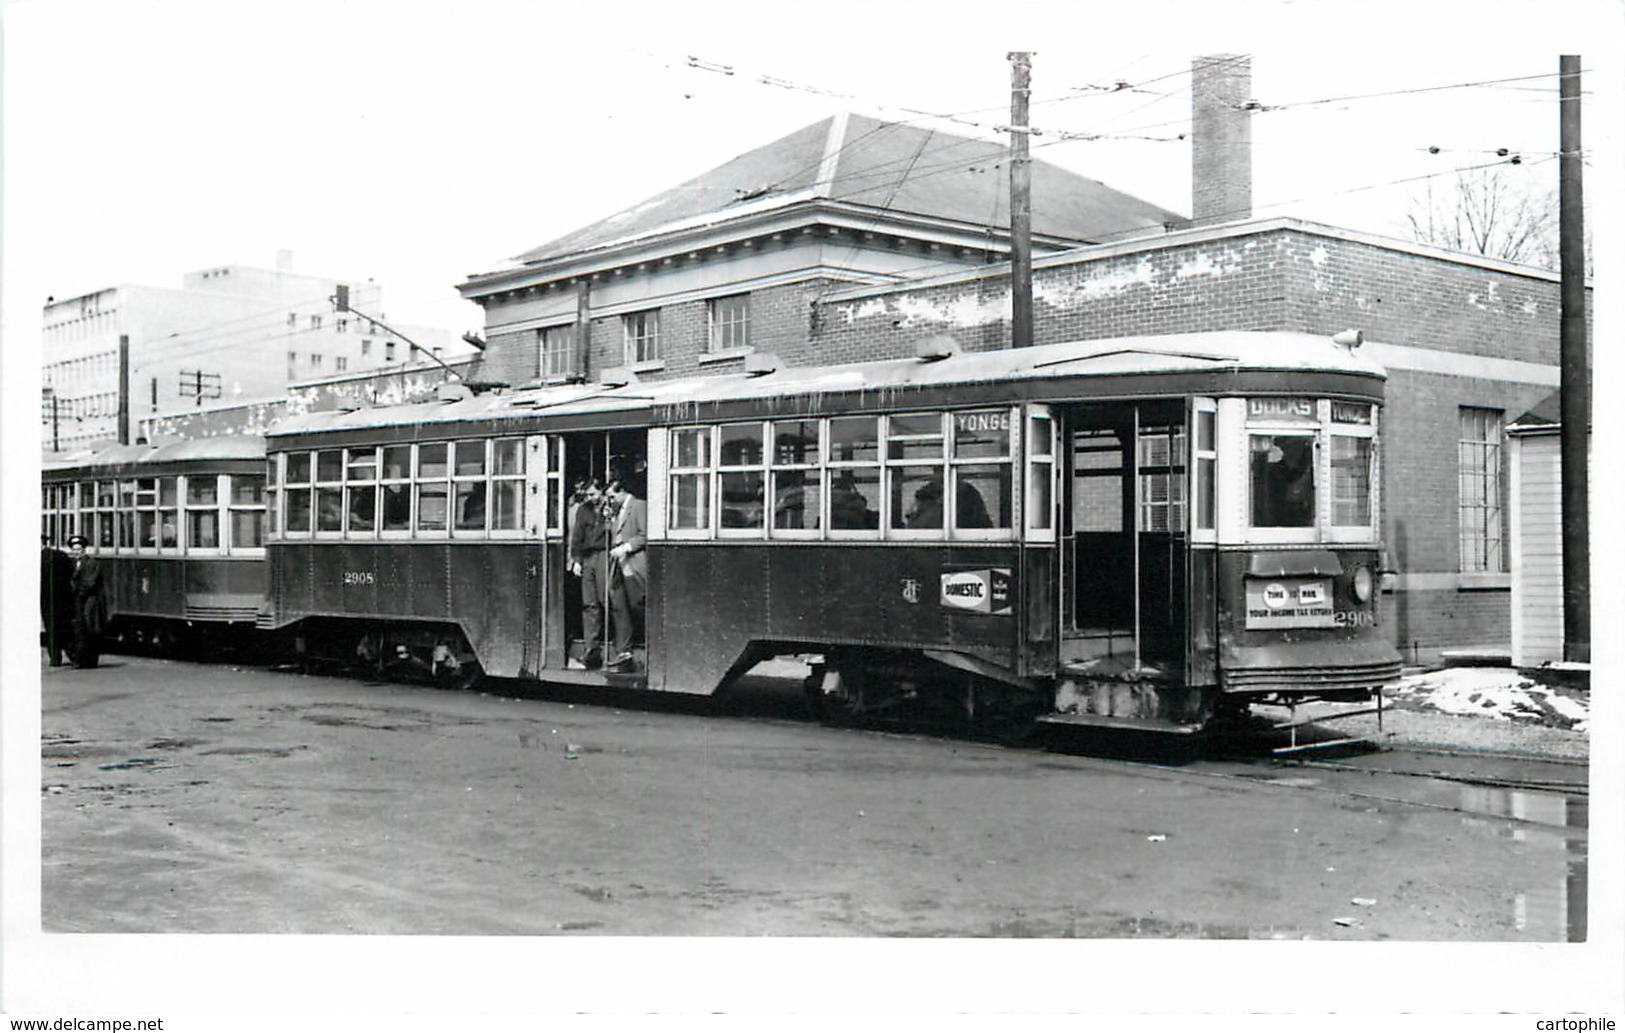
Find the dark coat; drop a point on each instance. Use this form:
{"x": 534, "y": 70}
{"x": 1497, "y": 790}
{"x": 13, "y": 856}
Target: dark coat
{"x": 89, "y": 595}
{"x": 55, "y": 587}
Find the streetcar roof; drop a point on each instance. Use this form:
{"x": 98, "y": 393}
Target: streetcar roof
{"x": 1115, "y": 357}
{"x": 224, "y": 448}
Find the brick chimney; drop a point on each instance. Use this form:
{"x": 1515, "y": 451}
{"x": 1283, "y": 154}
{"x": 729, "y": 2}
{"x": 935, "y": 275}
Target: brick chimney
{"x": 1221, "y": 139}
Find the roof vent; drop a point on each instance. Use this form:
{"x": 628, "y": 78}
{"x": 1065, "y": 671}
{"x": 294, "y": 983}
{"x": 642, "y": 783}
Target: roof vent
{"x": 935, "y": 349}
{"x": 453, "y": 392}
{"x": 760, "y": 364}
{"x": 617, "y": 376}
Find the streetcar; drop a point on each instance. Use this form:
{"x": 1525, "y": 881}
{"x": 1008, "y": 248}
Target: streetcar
{"x": 1144, "y": 532}
{"x": 179, "y": 529}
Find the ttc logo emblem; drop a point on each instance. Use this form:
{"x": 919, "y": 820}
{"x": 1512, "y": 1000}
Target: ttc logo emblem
{"x": 911, "y": 589}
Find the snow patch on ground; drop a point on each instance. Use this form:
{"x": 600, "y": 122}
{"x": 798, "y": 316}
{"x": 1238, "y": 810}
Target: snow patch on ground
{"x": 1495, "y": 692}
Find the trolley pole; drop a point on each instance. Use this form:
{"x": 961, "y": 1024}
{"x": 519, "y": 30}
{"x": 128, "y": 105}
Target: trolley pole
{"x": 1575, "y": 393}
{"x": 1021, "y": 202}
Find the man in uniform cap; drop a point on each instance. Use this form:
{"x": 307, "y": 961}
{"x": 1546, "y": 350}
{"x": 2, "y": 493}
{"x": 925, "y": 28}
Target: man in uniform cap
{"x": 89, "y": 604}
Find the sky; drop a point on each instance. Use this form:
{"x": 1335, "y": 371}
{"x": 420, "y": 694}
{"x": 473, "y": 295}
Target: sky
{"x": 416, "y": 143}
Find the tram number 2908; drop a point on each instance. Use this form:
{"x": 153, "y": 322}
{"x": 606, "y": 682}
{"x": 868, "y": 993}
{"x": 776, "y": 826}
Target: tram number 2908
{"x": 1354, "y": 618}
{"x": 359, "y": 577}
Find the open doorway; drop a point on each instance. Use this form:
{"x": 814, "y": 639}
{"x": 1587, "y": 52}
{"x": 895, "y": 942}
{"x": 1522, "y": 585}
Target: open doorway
{"x": 593, "y": 460}
{"x": 1124, "y": 535}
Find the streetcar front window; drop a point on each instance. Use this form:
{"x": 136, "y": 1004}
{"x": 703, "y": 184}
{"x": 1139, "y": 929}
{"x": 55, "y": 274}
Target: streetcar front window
{"x": 1282, "y": 480}
{"x": 1351, "y": 481}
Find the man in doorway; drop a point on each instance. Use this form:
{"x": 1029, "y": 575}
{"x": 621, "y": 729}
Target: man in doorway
{"x": 89, "y": 604}
{"x": 589, "y": 560}
{"x": 629, "y": 566}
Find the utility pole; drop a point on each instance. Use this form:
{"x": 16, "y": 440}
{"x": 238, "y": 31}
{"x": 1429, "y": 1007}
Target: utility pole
{"x": 1575, "y": 394}
{"x": 1021, "y": 202}
{"x": 124, "y": 389}
{"x": 192, "y": 383}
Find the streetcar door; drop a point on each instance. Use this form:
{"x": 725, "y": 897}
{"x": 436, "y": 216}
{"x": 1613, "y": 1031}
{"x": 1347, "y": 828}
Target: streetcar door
{"x": 1123, "y": 538}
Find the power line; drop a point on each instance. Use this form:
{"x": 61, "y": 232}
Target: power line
{"x": 1256, "y": 106}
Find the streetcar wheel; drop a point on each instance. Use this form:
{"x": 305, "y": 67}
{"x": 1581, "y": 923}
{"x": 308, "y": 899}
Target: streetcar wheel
{"x": 462, "y": 676}
{"x": 839, "y": 697}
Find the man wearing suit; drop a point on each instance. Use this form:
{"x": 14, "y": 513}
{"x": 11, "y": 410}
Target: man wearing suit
{"x": 589, "y": 539}
{"x": 89, "y": 604}
{"x": 629, "y": 567}
{"x": 55, "y": 599}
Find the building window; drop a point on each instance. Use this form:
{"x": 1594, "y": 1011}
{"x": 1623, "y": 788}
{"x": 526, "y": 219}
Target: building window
{"x": 366, "y": 347}
{"x": 315, "y": 322}
{"x": 641, "y": 332}
{"x": 315, "y": 361}
{"x": 389, "y": 351}
{"x": 729, "y": 320}
{"x": 293, "y": 319}
{"x": 1479, "y": 490}
{"x": 293, "y": 363}
{"x": 341, "y": 363}
{"x": 1161, "y": 467}
{"x": 342, "y": 325}
{"x": 557, "y": 356}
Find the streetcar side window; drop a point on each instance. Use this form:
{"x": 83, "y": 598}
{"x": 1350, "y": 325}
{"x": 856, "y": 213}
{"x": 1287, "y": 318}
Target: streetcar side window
{"x": 146, "y": 516}
{"x": 395, "y": 484}
{"x": 361, "y": 490}
{"x": 854, "y": 473}
{"x": 272, "y": 496}
{"x": 202, "y": 512}
{"x": 432, "y": 491}
{"x": 798, "y": 501}
{"x": 104, "y": 515}
{"x": 740, "y": 477}
{"x": 508, "y": 484}
{"x": 690, "y": 479}
{"x": 983, "y": 473}
{"x": 1207, "y": 461}
{"x": 247, "y": 508}
{"x": 915, "y": 483}
{"x": 296, "y": 489}
{"x": 1040, "y": 474}
{"x": 126, "y": 514}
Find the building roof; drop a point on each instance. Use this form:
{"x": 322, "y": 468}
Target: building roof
{"x": 865, "y": 162}
{"x": 1548, "y": 413}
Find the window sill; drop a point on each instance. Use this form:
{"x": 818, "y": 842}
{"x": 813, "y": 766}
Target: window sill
{"x": 651, "y": 366}
{"x": 1483, "y": 582}
{"x": 727, "y": 356}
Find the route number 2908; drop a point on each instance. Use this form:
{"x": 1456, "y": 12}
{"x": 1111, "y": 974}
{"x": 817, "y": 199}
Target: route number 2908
{"x": 1355, "y": 618}
{"x": 359, "y": 577}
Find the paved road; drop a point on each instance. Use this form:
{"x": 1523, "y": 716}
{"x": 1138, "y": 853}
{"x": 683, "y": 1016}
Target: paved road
{"x": 191, "y": 798}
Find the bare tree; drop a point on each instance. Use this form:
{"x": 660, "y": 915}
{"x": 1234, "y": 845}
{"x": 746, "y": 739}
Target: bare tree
{"x": 1489, "y": 212}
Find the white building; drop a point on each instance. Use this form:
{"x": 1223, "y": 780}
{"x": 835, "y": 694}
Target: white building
{"x": 229, "y": 333}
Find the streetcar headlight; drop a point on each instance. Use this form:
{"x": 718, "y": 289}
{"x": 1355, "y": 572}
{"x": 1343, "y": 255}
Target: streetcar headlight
{"x": 1362, "y": 584}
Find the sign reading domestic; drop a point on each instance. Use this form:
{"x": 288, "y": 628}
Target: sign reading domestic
{"x": 984, "y": 590}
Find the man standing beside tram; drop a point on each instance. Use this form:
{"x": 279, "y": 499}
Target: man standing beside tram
{"x": 89, "y": 604}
